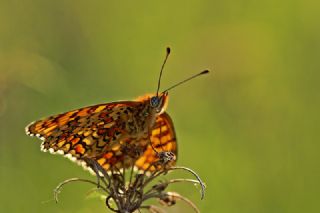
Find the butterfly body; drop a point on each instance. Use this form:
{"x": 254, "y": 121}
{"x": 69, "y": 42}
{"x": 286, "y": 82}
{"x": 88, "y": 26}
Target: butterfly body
{"x": 118, "y": 134}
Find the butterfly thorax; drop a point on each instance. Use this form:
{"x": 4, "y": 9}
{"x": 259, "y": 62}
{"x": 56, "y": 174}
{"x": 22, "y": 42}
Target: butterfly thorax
{"x": 140, "y": 121}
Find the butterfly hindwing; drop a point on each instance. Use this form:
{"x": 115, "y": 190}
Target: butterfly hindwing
{"x": 163, "y": 139}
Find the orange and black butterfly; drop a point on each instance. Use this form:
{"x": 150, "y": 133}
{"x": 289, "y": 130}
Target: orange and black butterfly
{"x": 116, "y": 135}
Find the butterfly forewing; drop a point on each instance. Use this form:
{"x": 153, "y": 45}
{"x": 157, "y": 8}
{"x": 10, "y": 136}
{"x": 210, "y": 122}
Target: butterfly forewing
{"x": 82, "y": 132}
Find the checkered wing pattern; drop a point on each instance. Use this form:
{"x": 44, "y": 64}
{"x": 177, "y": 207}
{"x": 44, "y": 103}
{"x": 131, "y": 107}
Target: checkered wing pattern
{"x": 84, "y": 132}
{"x": 163, "y": 139}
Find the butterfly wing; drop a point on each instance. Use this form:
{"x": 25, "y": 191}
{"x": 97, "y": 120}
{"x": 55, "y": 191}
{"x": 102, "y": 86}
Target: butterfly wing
{"x": 83, "y": 132}
{"x": 163, "y": 139}
{"x": 86, "y": 132}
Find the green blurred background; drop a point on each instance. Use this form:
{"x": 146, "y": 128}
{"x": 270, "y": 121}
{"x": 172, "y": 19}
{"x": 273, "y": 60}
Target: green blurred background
{"x": 250, "y": 129}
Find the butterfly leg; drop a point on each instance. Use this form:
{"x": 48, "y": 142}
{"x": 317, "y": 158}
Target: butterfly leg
{"x": 154, "y": 149}
{"x": 151, "y": 143}
{"x": 166, "y": 157}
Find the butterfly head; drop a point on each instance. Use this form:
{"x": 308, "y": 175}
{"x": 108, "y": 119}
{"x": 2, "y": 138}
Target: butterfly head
{"x": 159, "y": 102}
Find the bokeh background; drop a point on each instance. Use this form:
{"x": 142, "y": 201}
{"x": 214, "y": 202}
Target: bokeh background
{"x": 250, "y": 128}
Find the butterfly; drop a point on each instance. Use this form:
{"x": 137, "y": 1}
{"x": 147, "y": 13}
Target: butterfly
{"x": 116, "y": 135}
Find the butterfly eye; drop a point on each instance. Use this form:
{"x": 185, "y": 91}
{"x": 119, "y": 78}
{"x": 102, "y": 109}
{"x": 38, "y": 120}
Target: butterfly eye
{"x": 155, "y": 101}
{"x": 146, "y": 114}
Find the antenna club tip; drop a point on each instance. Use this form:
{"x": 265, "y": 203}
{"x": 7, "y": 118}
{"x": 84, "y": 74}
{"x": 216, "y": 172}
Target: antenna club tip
{"x": 205, "y": 72}
{"x": 168, "y": 50}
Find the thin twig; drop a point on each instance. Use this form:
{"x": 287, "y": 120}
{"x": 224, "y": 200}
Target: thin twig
{"x": 129, "y": 196}
{"x": 195, "y": 174}
{"x": 166, "y": 183}
{"x": 56, "y": 191}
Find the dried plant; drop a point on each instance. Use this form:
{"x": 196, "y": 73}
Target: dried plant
{"x": 128, "y": 190}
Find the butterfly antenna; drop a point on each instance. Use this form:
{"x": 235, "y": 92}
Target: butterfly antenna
{"x": 164, "y": 62}
{"x": 192, "y": 77}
